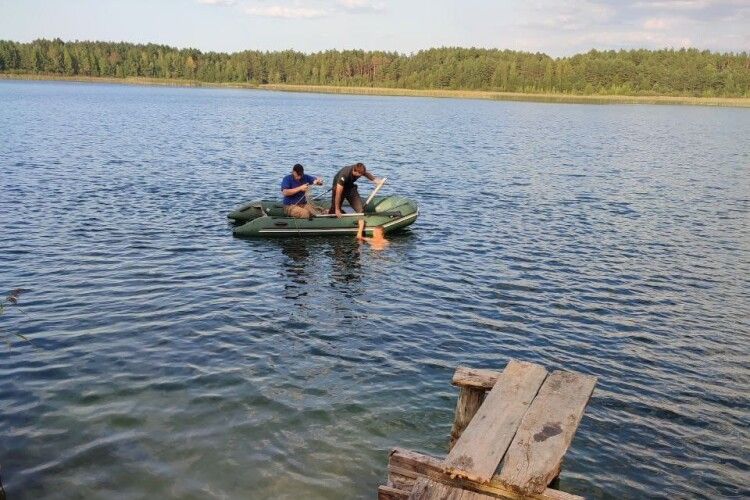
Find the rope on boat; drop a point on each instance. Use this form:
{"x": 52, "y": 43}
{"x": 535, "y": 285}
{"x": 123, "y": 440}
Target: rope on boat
{"x": 321, "y": 194}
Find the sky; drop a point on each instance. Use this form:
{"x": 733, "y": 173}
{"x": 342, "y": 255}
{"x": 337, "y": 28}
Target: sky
{"x": 556, "y": 27}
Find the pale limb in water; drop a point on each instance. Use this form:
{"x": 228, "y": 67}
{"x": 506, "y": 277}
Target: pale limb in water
{"x": 378, "y": 241}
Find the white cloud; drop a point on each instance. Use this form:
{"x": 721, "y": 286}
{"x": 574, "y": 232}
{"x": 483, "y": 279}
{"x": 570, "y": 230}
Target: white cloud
{"x": 286, "y": 12}
{"x": 298, "y": 9}
{"x": 675, "y": 4}
{"x": 359, "y": 5}
{"x": 655, "y": 24}
{"x": 695, "y": 7}
{"x": 217, "y": 2}
{"x": 553, "y": 26}
{"x": 635, "y": 38}
{"x": 568, "y": 15}
{"x": 569, "y": 26}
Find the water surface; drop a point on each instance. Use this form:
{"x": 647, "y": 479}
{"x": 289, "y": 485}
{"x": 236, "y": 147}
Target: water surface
{"x": 171, "y": 360}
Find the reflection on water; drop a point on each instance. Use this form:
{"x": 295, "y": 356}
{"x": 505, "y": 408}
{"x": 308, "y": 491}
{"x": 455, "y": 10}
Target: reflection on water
{"x": 335, "y": 260}
{"x": 294, "y": 274}
{"x": 173, "y": 360}
{"x": 306, "y": 257}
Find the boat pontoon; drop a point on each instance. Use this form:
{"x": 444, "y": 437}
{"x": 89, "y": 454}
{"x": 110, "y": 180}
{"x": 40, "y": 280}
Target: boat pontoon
{"x": 267, "y": 218}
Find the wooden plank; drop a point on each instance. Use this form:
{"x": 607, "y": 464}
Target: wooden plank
{"x": 475, "y": 378}
{"x": 427, "y": 489}
{"x": 535, "y": 455}
{"x": 401, "y": 479}
{"x": 408, "y": 466}
{"x": 390, "y": 493}
{"x": 485, "y": 440}
{"x": 469, "y": 401}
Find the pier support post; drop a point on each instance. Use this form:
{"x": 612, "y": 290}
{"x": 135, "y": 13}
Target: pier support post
{"x": 469, "y": 401}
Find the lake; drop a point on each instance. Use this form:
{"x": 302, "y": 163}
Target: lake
{"x": 172, "y": 360}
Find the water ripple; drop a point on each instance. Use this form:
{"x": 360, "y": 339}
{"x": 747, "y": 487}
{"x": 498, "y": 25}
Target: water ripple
{"x": 170, "y": 360}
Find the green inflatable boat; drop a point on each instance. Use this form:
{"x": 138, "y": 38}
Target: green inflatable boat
{"x": 266, "y": 218}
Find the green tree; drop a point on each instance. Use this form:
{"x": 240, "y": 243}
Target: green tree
{"x": 631, "y": 72}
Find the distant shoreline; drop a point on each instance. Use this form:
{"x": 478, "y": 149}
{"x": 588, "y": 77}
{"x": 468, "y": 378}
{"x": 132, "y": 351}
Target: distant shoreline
{"x": 742, "y": 102}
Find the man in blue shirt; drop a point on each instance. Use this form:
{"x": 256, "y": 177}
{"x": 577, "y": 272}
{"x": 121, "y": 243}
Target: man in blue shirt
{"x": 294, "y": 188}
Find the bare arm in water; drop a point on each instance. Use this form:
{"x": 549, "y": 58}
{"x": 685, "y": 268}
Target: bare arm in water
{"x": 377, "y": 241}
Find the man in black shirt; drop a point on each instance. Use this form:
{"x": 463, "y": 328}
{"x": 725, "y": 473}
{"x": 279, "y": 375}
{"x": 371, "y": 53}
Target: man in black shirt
{"x": 344, "y": 188}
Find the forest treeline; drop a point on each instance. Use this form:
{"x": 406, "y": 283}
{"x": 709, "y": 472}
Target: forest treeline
{"x": 684, "y": 72}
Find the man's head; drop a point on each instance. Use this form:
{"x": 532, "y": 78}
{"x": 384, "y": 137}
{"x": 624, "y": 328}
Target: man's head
{"x": 298, "y": 171}
{"x": 359, "y": 170}
{"x": 378, "y": 234}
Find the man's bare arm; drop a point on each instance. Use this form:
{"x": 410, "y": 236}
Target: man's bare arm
{"x": 293, "y": 191}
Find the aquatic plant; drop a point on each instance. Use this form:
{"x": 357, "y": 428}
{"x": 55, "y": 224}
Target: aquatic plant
{"x": 12, "y": 300}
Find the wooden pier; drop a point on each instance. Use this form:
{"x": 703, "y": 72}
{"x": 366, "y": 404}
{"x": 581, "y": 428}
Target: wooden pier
{"x": 510, "y": 433}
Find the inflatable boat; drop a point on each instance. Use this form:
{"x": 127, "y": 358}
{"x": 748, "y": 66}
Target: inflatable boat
{"x": 266, "y": 218}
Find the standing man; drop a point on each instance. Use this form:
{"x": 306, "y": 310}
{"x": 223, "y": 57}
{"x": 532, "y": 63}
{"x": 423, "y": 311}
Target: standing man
{"x": 294, "y": 188}
{"x": 344, "y": 187}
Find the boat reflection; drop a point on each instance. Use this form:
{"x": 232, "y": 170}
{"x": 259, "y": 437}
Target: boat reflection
{"x": 309, "y": 262}
{"x": 329, "y": 269}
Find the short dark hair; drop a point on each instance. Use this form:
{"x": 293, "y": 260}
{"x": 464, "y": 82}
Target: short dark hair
{"x": 298, "y": 169}
{"x": 360, "y": 168}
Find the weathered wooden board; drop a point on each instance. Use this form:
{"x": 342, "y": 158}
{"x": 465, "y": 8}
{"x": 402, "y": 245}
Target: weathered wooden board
{"x": 546, "y": 431}
{"x": 390, "y": 493}
{"x": 469, "y": 401}
{"x": 406, "y": 467}
{"x": 427, "y": 489}
{"x": 485, "y": 440}
{"x": 476, "y": 378}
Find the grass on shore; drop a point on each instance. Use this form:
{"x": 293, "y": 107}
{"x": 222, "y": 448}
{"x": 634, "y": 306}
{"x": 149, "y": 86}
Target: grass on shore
{"x": 385, "y": 91}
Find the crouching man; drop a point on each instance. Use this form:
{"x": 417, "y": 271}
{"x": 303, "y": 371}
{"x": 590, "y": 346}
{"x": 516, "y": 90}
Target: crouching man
{"x": 344, "y": 187}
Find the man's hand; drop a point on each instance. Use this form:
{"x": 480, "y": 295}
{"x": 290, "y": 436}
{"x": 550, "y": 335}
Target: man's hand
{"x": 319, "y": 181}
{"x": 376, "y": 180}
{"x": 304, "y": 187}
{"x": 338, "y": 213}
